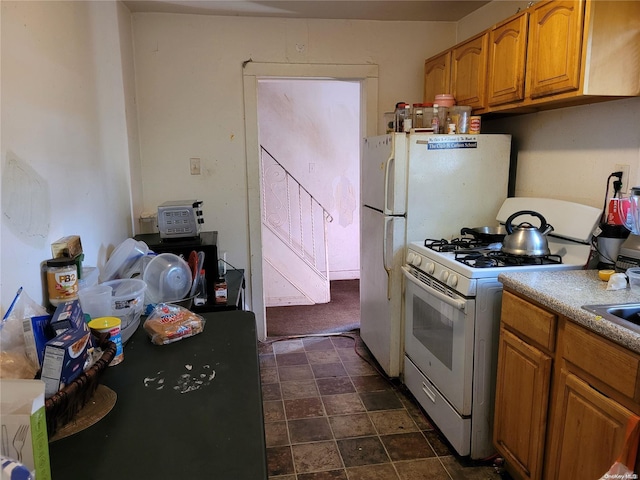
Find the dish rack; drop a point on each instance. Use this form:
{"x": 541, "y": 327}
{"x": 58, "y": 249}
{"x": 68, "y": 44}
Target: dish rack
{"x": 61, "y": 407}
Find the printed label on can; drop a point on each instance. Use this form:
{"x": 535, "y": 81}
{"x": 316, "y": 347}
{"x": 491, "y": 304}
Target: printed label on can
{"x": 474, "y": 125}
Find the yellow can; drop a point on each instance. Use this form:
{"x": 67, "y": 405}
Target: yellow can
{"x": 110, "y": 325}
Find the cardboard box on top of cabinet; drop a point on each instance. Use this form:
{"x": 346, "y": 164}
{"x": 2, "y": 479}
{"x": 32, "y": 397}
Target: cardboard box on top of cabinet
{"x": 67, "y": 247}
{"x": 24, "y": 425}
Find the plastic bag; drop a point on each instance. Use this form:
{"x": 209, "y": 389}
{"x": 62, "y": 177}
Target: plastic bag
{"x": 14, "y": 362}
{"x": 619, "y": 469}
{"x": 170, "y": 323}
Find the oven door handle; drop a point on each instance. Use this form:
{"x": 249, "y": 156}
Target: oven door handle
{"x": 459, "y": 304}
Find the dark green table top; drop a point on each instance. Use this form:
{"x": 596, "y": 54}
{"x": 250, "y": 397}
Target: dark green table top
{"x": 187, "y": 410}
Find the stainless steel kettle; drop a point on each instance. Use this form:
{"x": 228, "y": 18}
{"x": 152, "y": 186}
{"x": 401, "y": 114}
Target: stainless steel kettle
{"x": 525, "y": 239}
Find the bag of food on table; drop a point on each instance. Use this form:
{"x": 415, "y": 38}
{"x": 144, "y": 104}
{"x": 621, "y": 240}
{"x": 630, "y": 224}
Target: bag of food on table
{"x": 169, "y": 323}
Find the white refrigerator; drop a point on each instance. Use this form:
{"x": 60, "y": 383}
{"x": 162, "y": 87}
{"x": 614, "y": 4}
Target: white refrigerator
{"x": 414, "y": 187}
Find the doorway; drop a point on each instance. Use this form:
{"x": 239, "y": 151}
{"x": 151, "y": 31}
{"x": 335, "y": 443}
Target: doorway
{"x": 254, "y": 74}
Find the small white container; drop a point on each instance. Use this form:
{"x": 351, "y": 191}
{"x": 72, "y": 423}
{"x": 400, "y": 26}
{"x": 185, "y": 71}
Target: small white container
{"x": 633, "y": 274}
{"x": 96, "y": 300}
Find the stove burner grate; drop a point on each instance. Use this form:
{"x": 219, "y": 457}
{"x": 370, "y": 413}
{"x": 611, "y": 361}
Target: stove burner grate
{"x": 454, "y": 244}
{"x": 488, "y": 259}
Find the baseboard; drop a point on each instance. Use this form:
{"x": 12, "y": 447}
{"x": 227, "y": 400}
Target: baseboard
{"x": 345, "y": 275}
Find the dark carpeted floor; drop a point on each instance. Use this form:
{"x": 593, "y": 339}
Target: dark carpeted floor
{"x": 342, "y": 314}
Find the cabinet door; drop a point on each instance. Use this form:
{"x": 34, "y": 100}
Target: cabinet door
{"x": 522, "y": 399}
{"x": 588, "y": 431}
{"x": 555, "y": 42}
{"x": 437, "y": 76}
{"x": 469, "y": 72}
{"x": 507, "y": 58}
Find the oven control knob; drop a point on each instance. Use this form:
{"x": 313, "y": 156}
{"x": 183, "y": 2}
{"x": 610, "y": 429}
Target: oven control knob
{"x": 431, "y": 267}
{"x": 410, "y": 257}
{"x": 417, "y": 260}
{"x": 453, "y": 280}
{"x": 444, "y": 276}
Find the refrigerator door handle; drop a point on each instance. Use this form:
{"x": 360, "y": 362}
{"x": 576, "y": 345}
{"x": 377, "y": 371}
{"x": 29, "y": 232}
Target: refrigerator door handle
{"x": 384, "y": 255}
{"x": 387, "y": 172}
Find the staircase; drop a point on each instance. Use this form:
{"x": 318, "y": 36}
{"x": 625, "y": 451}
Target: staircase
{"x": 294, "y": 239}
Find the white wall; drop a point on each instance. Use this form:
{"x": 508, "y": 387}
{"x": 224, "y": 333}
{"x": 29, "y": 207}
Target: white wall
{"x": 189, "y": 84}
{"x": 67, "y": 113}
{"x": 569, "y": 153}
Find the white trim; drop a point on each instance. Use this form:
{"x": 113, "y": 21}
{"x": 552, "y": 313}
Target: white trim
{"x": 366, "y": 74}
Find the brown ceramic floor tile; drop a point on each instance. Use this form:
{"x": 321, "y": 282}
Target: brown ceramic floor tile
{"x": 370, "y": 383}
{"x": 437, "y": 442}
{"x": 342, "y": 404}
{"x": 329, "y": 475}
{"x": 335, "y": 385}
{"x": 427, "y": 468}
{"x": 267, "y": 360}
{"x": 295, "y": 373}
{"x": 354, "y": 425}
{"x": 303, "y": 408}
{"x": 342, "y": 342}
{"x": 362, "y": 451}
{"x": 276, "y": 434}
{"x": 288, "y": 346}
{"x": 301, "y": 389}
{"x": 273, "y": 411}
{"x": 358, "y": 367}
{"x": 384, "y": 471}
{"x": 393, "y": 421}
{"x": 387, "y": 400}
{"x": 265, "y": 348}
{"x": 317, "y": 343}
{"x": 288, "y": 359}
{"x": 407, "y": 446}
{"x": 279, "y": 461}
{"x": 310, "y": 430}
{"x": 316, "y": 457}
{"x": 271, "y": 391}
{"x": 269, "y": 375}
{"x": 323, "y": 356}
{"x": 459, "y": 472}
{"x": 325, "y": 370}
{"x": 349, "y": 354}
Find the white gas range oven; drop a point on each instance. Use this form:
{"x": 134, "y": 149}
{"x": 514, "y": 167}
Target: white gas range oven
{"x": 452, "y": 301}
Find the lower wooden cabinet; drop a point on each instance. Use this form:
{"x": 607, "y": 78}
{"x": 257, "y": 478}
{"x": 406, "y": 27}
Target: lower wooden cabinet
{"x": 565, "y": 396}
{"x": 588, "y": 431}
{"x": 522, "y": 397}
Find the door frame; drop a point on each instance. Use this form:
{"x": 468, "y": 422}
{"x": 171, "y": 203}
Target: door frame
{"x": 367, "y": 75}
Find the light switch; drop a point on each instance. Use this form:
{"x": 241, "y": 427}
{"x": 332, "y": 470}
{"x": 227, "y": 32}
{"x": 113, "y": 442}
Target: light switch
{"x": 194, "y": 165}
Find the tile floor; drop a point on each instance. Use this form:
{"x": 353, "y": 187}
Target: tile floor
{"x": 329, "y": 415}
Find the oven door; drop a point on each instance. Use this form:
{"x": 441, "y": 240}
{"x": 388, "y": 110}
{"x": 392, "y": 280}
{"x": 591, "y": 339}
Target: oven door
{"x": 439, "y": 333}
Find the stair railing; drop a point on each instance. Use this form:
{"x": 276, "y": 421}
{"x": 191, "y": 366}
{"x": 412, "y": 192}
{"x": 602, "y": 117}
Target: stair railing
{"x": 294, "y": 214}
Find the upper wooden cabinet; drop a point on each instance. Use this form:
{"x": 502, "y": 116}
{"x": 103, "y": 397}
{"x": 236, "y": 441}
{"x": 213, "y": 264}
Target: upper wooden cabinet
{"x": 469, "y": 72}
{"x": 507, "y": 59}
{"x": 437, "y": 76}
{"x": 555, "y": 53}
{"x": 555, "y": 41}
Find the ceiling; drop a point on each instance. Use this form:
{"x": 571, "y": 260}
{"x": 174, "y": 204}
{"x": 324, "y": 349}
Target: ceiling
{"x": 398, "y": 10}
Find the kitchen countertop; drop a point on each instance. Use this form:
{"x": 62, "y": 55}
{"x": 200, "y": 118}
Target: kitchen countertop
{"x": 567, "y": 291}
{"x": 189, "y": 409}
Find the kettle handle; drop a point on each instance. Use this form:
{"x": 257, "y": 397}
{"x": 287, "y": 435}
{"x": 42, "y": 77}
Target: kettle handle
{"x": 509, "y": 227}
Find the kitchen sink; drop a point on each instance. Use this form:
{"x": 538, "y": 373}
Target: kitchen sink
{"x": 624, "y": 314}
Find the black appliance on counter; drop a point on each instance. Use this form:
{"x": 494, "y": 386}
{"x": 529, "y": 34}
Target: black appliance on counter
{"x": 206, "y": 242}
